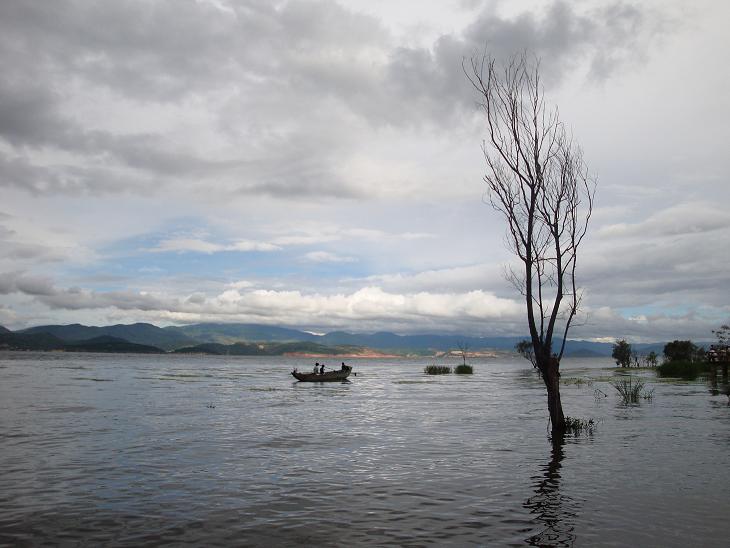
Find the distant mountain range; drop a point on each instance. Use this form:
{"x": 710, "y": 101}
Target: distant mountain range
{"x": 138, "y": 333}
{"x": 46, "y": 341}
{"x": 256, "y": 339}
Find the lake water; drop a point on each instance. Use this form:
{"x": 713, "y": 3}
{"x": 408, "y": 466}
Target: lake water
{"x": 126, "y": 450}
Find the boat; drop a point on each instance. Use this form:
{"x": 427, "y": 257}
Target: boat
{"x": 336, "y": 375}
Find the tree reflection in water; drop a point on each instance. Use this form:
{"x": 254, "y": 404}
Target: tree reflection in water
{"x": 552, "y": 510}
{"x": 719, "y": 388}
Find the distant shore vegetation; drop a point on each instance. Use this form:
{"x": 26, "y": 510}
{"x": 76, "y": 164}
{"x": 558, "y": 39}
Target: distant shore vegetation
{"x": 679, "y": 358}
{"x": 683, "y": 369}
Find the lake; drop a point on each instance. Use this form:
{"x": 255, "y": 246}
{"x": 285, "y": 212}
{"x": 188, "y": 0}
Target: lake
{"x": 132, "y": 450}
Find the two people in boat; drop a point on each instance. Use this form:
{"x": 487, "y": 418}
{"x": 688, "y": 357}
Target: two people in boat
{"x": 319, "y": 368}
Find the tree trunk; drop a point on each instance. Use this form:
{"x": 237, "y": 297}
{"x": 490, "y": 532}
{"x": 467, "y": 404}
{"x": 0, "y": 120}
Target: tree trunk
{"x": 551, "y": 377}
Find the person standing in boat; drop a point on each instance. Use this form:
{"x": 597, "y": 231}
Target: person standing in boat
{"x": 316, "y": 368}
{"x": 344, "y": 367}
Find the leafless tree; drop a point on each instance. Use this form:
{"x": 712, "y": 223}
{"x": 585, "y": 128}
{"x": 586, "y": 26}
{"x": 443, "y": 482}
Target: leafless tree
{"x": 537, "y": 180}
{"x": 463, "y": 347}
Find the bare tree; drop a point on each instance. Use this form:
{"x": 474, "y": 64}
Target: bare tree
{"x": 463, "y": 347}
{"x": 537, "y": 180}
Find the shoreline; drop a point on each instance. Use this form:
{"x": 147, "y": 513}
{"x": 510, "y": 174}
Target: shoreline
{"x": 368, "y": 355}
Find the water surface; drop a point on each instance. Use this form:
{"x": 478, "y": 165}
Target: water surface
{"x": 127, "y": 450}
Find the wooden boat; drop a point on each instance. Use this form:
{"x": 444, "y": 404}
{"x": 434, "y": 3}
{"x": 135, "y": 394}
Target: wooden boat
{"x": 337, "y": 375}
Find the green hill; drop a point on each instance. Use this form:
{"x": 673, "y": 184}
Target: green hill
{"x": 138, "y": 333}
{"x": 44, "y": 342}
{"x": 29, "y": 341}
{"x": 111, "y": 345}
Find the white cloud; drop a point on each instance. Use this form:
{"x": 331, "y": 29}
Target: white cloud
{"x": 194, "y": 245}
{"x": 368, "y": 306}
{"x": 315, "y": 233}
{"x": 327, "y": 257}
{"x": 677, "y": 220}
{"x": 240, "y": 284}
{"x": 462, "y": 278}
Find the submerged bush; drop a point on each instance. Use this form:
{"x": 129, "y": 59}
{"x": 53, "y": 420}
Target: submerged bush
{"x": 464, "y": 369}
{"x": 632, "y": 390}
{"x": 682, "y": 369}
{"x": 437, "y": 370}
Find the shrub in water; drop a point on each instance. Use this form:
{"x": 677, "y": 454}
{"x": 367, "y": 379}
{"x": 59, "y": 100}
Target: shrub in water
{"x": 437, "y": 370}
{"x": 682, "y": 369}
{"x": 464, "y": 369}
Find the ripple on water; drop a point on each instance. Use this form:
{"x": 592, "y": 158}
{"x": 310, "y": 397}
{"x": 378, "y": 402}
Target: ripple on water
{"x": 67, "y": 409}
{"x": 391, "y": 458}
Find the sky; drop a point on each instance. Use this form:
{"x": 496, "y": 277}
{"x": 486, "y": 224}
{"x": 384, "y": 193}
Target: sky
{"x": 318, "y": 164}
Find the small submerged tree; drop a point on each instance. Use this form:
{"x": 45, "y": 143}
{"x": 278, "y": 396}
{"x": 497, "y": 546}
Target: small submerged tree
{"x": 651, "y": 359}
{"x": 464, "y": 368}
{"x": 622, "y": 353}
{"x": 537, "y": 180}
{"x": 463, "y": 347}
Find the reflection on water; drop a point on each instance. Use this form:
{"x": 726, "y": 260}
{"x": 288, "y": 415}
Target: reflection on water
{"x": 722, "y": 387}
{"x": 550, "y": 508}
{"x": 219, "y": 451}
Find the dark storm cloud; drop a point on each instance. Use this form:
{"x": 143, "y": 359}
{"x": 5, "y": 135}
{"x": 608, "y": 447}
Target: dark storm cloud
{"x": 28, "y": 110}
{"x": 18, "y": 282}
{"x": 22, "y": 172}
{"x": 80, "y": 299}
{"x": 73, "y": 298}
{"x": 164, "y": 50}
{"x": 151, "y": 50}
{"x": 671, "y": 259}
{"x": 562, "y": 37}
{"x": 295, "y": 69}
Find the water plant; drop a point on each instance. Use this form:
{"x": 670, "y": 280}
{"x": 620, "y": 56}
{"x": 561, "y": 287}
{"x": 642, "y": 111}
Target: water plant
{"x": 464, "y": 369}
{"x": 437, "y": 370}
{"x": 578, "y": 426}
{"x": 578, "y": 381}
{"x": 632, "y": 390}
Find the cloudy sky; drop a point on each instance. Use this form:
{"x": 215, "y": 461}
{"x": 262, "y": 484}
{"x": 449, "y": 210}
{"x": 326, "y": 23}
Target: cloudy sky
{"x": 317, "y": 164}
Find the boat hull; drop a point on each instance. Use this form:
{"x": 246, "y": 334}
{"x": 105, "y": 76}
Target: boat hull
{"x": 329, "y": 376}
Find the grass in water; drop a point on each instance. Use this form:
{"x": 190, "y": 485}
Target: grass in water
{"x": 632, "y": 390}
{"x": 437, "y": 370}
{"x": 464, "y": 369}
{"x": 579, "y": 426}
{"x": 578, "y": 381}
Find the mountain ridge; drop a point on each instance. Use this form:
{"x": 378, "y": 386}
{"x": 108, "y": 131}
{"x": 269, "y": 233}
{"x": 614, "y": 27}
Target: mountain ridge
{"x": 172, "y": 338}
{"x": 137, "y": 333}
